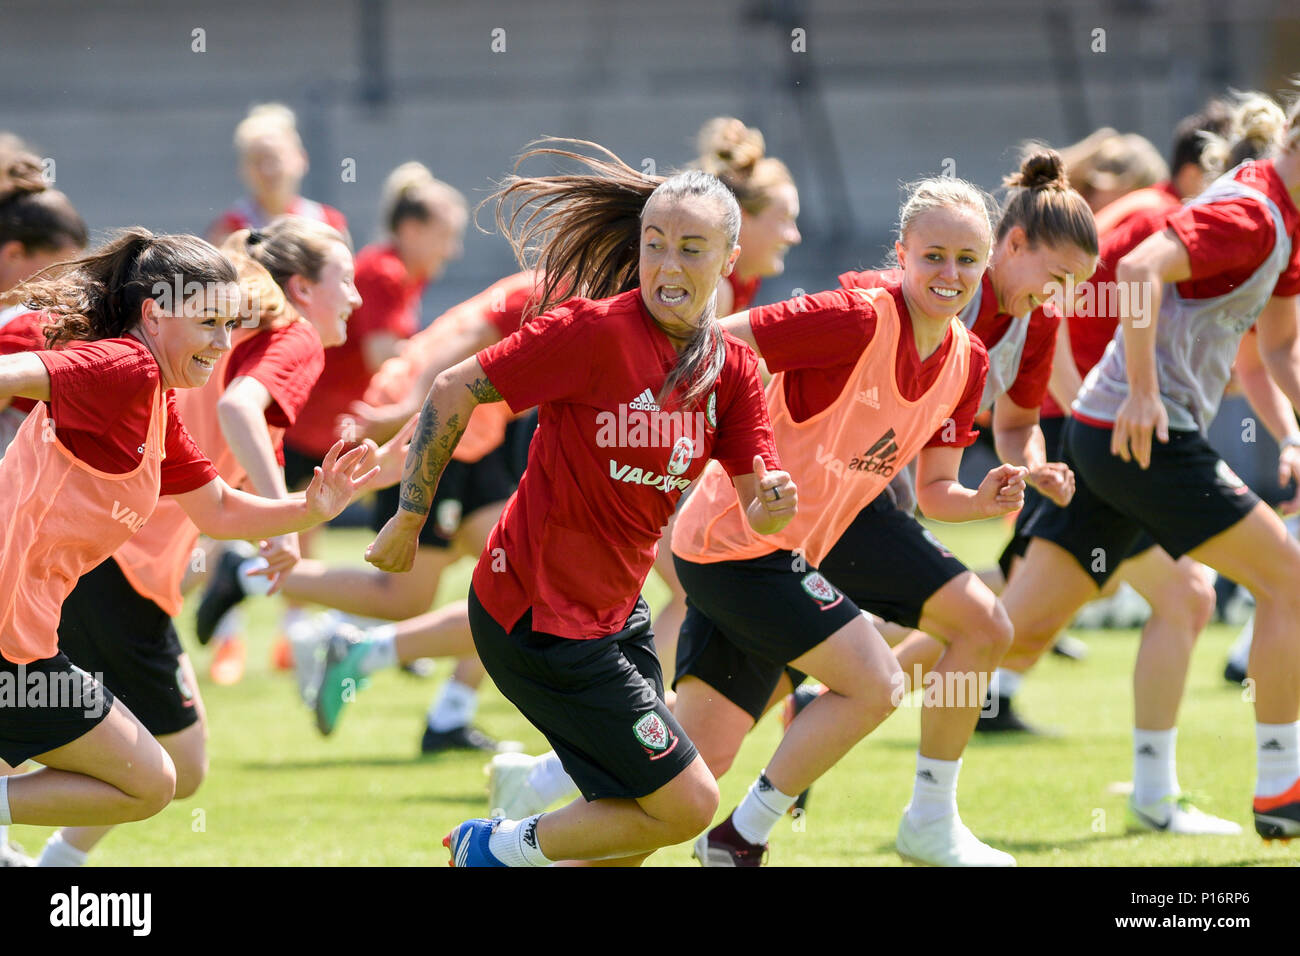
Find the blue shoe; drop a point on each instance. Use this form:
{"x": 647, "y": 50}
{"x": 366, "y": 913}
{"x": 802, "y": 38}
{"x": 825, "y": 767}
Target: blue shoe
{"x": 468, "y": 843}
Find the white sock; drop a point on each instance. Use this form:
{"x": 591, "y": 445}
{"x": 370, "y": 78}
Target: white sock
{"x": 1239, "y": 653}
{"x": 253, "y": 586}
{"x": 1006, "y": 683}
{"x": 230, "y": 625}
{"x": 934, "y": 794}
{"x": 5, "y": 819}
{"x": 760, "y": 810}
{"x": 548, "y": 779}
{"x": 4, "y": 836}
{"x": 58, "y": 852}
{"x": 382, "y": 652}
{"x": 1155, "y": 769}
{"x": 515, "y": 843}
{"x": 1278, "y": 749}
{"x": 454, "y": 707}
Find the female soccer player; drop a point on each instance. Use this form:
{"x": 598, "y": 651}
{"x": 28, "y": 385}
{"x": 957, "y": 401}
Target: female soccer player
{"x": 237, "y": 420}
{"x": 272, "y": 164}
{"x": 890, "y": 371}
{"x": 143, "y": 315}
{"x": 1224, "y": 262}
{"x": 38, "y": 227}
{"x": 554, "y": 603}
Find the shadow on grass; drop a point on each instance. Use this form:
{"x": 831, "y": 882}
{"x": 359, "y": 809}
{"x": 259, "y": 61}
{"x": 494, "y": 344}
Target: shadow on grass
{"x": 335, "y": 763}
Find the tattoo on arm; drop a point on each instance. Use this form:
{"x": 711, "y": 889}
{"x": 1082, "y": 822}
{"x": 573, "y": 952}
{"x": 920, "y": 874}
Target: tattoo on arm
{"x": 484, "y": 392}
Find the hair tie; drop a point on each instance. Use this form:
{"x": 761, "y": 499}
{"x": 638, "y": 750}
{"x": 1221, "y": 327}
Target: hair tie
{"x": 255, "y": 236}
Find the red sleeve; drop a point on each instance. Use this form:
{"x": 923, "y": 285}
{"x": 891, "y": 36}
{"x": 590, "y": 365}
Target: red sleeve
{"x": 385, "y": 304}
{"x": 744, "y": 429}
{"x": 335, "y": 218}
{"x": 287, "y": 362}
{"x": 508, "y": 319}
{"x": 823, "y": 330}
{"x": 1235, "y": 235}
{"x": 1288, "y": 284}
{"x": 962, "y": 431}
{"x": 228, "y": 222}
{"x": 1030, "y": 385}
{"x": 184, "y": 467}
{"x": 547, "y": 360}
{"x": 91, "y": 382}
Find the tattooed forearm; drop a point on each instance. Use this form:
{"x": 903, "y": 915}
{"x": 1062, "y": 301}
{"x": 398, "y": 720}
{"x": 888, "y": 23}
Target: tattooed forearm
{"x": 483, "y": 391}
{"x": 431, "y": 449}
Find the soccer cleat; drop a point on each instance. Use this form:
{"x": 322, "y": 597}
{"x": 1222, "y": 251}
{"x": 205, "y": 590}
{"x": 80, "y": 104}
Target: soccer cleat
{"x": 795, "y": 702}
{"x": 468, "y": 843}
{"x": 11, "y": 854}
{"x": 509, "y": 792}
{"x": 723, "y": 846}
{"x": 423, "y": 668}
{"x": 1071, "y": 648}
{"x": 341, "y": 677}
{"x": 1233, "y": 672}
{"x": 458, "y": 738}
{"x": 1278, "y": 818}
{"x": 227, "y": 666}
{"x": 1004, "y": 719}
{"x": 222, "y": 592}
{"x": 1175, "y": 814}
{"x": 946, "y": 842}
{"x": 307, "y": 639}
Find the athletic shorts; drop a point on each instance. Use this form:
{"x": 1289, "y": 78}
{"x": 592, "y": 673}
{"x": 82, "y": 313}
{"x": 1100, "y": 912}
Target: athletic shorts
{"x": 1187, "y": 496}
{"x": 110, "y": 630}
{"x": 299, "y": 468}
{"x": 1054, "y": 439}
{"x": 465, "y": 487}
{"x": 598, "y": 702}
{"x": 745, "y": 620}
{"x": 46, "y": 704}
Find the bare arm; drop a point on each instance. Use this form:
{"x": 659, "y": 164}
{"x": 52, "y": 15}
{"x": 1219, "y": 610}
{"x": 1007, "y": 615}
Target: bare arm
{"x": 242, "y": 414}
{"x": 738, "y": 325}
{"x": 768, "y": 498}
{"x": 378, "y": 348}
{"x": 1279, "y": 353}
{"x": 1019, "y": 441}
{"x": 23, "y": 375}
{"x": 454, "y": 396}
{"x": 943, "y": 497}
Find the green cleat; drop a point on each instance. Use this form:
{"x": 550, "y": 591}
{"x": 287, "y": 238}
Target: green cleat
{"x": 342, "y": 677}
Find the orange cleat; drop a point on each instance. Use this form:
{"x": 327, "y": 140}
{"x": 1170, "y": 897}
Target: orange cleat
{"x": 1278, "y": 818}
{"x": 228, "y": 662}
{"x": 281, "y": 654}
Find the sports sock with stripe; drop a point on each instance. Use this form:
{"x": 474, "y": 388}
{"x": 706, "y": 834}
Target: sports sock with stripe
{"x": 1155, "y": 769}
{"x": 547, "y": 778}
{"x": 382, "y": 652}
{"x": 5, "y": 819}
{"x": 515, "y": 843}
{"x": 1278, "y": 749}
{"x": 934, "y": 792}
{"x": 761, "y": 808}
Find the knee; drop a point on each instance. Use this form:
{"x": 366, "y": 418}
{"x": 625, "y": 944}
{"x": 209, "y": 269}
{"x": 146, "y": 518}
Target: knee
{"x": 719, "y": 761}
{"x": 191, "y": 771}
{"x": 990, "y": 633}
{"x": 695, "y": 811}
{"x": 884, "y": 691}
{"x": 156, "y": 789}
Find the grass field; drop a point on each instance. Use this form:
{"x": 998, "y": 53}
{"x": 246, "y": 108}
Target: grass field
{"x": 279, "y": 794}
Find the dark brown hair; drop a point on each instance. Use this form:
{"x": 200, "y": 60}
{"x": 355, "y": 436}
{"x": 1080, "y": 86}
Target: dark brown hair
{"x": 30, "y": 212}
{"x": 99, "y": 296}
{"x": 1040, "y": 201}
{"x": 582, "y": 231}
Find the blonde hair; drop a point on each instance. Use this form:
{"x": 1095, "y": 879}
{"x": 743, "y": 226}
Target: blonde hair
{"x": 263, "y": 119}
{"x": 1259, "y": 127}
{"x": 736, "y": 154}
{"x": 288, "y": 246}
{"x": 944, "y": 192}
{"x": 411, "y": 191}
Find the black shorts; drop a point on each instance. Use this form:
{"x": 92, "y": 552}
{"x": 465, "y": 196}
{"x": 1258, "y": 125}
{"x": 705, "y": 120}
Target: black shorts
{"x": 110, "y": 630}
{"x": 299, "y": 468}
{"x": 462, "y": 490}
{"x": 1187, "y": 496}
{"x": 46, "y": 704}
{"x": 598, "y": 702}
{"x": 746, "y": 619}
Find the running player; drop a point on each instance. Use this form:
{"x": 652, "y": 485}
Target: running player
{"x": 84, "y": 473}
{"x": 272, "y": 164}
{"x": 38, "y": 227}
{"x": 554, "y": 603}
{"x": 1226, "y": 261}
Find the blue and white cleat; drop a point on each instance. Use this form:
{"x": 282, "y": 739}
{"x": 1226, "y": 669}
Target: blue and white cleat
{"x": 468, "y": 843}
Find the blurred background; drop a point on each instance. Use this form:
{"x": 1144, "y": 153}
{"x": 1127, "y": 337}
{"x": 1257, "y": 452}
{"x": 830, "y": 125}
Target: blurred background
{"x": 136, "y": 102}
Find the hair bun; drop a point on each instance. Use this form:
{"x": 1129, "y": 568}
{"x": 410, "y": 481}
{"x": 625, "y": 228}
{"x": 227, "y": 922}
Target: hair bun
{"x": 1040, "y": 169}
{"x": 726, "y": 145}
{"x": 21, "y": 173}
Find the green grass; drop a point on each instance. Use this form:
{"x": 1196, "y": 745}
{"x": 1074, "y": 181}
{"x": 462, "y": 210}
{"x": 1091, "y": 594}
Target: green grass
{"x": 279, "y": 794}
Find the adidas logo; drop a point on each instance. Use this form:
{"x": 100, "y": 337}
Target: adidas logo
{"x": 870, "y": 397}
{"x": 764, "y": 785}
{"x": 881, "y": 458}
{"x": 1273, "y": 744}
{"x": 530, "y": 834}
{"x": 1146, "y": 750}
{"x": 926, "y": 775}
{"x": 645, "y": 402}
